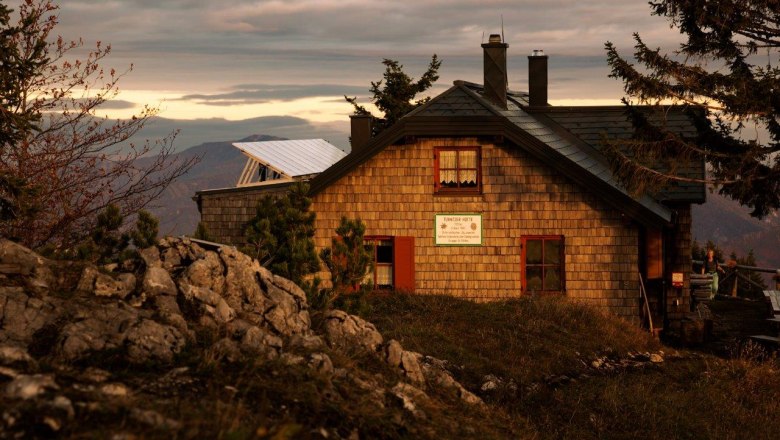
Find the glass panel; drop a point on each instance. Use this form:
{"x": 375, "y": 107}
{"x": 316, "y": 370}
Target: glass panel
{"x": 448, "y": 178}
{"x": 468, "y": 178}
{"x": 384, "y": 251}
{"x": 448, "y": 159}
{"x": 533, "y": 252}
{"x": 384, "y": 276}
{"x": 533, "y": 278}
{"x": 552, "y": 278}
{"x": 552, "y": 252}
{"x": 468, "y": 159}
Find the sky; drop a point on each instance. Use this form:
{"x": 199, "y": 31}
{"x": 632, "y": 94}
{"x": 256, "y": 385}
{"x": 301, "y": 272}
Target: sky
{"x": 245, "y": 61}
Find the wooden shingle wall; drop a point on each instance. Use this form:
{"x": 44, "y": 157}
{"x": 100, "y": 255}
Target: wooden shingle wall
{"x": 393, "y": 194}
{"x": 225, "y": 212}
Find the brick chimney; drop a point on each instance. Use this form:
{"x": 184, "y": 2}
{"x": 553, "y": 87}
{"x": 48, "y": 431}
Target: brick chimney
{"x": 537, "y": 79}
{"x": 360, "y": 131}
{"x": 495, "y": 70}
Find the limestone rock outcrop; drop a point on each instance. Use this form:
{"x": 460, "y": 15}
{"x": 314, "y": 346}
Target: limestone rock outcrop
{"x": 174, "y": 296}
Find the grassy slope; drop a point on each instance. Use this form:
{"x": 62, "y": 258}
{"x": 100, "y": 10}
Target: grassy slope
{"x": 526, "y": 341}
{"x": 529, "y": 341}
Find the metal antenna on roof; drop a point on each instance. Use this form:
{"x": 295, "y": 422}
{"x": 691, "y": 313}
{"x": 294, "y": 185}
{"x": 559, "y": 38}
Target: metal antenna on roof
{"x": 483, "y": 37}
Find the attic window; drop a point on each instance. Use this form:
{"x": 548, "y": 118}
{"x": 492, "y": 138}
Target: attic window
{"x": 457, "y": 170}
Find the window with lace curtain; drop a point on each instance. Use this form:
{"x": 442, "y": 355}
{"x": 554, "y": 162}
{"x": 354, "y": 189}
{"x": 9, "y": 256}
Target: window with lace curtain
{"x": 457, "y": 170}
{"x": 380, "y": 270}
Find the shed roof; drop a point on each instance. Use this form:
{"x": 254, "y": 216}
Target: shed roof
{"x": 293, "y": 158}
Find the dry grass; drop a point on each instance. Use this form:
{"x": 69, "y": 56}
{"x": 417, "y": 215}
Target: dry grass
{"x": 693, "y": 396}
{"x": 525, "y": 339}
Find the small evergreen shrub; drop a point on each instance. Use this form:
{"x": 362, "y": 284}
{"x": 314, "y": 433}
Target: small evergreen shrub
{"x": 347, "y": 259}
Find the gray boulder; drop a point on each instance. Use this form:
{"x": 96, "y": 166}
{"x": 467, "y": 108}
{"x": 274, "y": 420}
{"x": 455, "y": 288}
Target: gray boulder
{"x": 36, "y": 269}
{"x": 321, "y": 363}
{"x": 343, "y": 330}
{"x": 410, "y": 366}
{"x": 206, "y": 272}
{"x": 87, "y": 281}
{"x": 242, "y": 282}
{"x": 285, "y": 315}
{"x": 226, "y": 349}
{"x": 150, "y": 256}
{"x": 393, "y": 351}
{"x": 203, "y": 300}
{"x": 259, "y": 342}
{"x": 435, "y": 373}
{"x": 157, "y": 281}
{"x": 21, "y": 315}
{"x": 120, "y": 287}
{"x": 148, "y": 340}
{"x": 30, "y": 386}
{"x": 12, "y": 355}
{"x": 93, "y": 329}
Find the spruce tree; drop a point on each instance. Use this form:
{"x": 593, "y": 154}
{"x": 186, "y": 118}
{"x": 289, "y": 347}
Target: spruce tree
{"x": 394, "y": 95}
{"x": 281, "y": 235}
{"x": 15, "y": 69}
{"x": 725, "y": 75}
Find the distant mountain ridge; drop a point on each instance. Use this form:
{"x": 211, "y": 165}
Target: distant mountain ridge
{"x": 730, "y": 226}
{"x": 219, "y": 167}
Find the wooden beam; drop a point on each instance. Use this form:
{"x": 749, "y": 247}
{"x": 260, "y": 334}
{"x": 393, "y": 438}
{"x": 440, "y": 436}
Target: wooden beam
{"x": 242, "y": 177}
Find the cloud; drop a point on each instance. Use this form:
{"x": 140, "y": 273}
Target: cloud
{"x": 262, "y": 93}
{"x": 199, "y": 47}
{"x": 197, "y": 131}
{"x": 113, "y": 104}
{"x": 408, "y": 27}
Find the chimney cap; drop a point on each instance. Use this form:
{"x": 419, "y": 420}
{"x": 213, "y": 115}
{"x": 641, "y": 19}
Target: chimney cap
{"x": 495, "y": 41}
{"x": 538, "y": 53}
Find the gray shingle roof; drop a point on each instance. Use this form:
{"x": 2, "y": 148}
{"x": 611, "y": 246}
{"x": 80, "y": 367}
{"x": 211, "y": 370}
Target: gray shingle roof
{"x": 591, "y": 124}
{"x": 461, "y": 110}
{"x": 585, "y": 157}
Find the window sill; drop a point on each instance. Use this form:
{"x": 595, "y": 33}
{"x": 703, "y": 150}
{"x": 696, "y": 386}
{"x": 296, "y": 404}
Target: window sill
{"x": 457, "y": 193}
{"x": 545, "y": 293}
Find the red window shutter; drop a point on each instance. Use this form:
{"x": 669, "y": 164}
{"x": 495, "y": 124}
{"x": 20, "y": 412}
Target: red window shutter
{"x": 655, "y": 261}
{"x": 403, "y": 263}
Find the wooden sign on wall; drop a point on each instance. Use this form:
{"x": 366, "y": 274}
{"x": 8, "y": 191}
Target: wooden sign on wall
{"x": 458, "y": 230}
